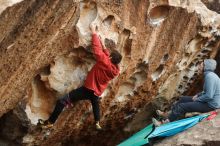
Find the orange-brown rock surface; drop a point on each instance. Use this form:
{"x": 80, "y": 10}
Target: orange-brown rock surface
{"x": 45, "y": 52}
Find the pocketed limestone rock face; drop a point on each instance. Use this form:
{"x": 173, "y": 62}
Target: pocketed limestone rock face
{"x": 213, "y": 5}
{"x": 45, "y": 52}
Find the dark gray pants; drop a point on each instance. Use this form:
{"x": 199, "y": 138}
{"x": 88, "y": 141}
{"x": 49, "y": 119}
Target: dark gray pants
{"x": 186, "y": 105}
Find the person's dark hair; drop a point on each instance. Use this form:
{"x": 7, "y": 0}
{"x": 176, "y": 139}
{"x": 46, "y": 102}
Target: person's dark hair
{"x": 115, "y": 57}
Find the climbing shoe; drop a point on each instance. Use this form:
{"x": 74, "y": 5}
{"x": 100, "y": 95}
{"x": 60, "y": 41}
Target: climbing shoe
{"x": 156, "y": 122}
{"x": 97, "y": 126}
{"x": 162, "y": 114}
{"x": 44, "y": 124}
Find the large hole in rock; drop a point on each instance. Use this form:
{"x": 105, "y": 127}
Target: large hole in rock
{"x": 108, "y": 21}
{"x": 205, "y": 51}
{"x": 110, "y": 44}
{"x": 41, "y": 101}
{"x": 140, "y": 78}
{"x": 128, "y": 89}
{"x": 165, "y": 57}
{"x": 63, "y": 75}
{"x": 125, "y": 89}
{"x": 13, "y": 126}
{"x": 67, "y": 73}
{"x": 128, "y": 43}
{"x": 195, "y": 45}
{"x": 213, "y": 5}
{"x": 124, "y": 43}
{"x": 44, "y": 76}
{"x": 158, "y": 14}
{"x": 157, "y": 73}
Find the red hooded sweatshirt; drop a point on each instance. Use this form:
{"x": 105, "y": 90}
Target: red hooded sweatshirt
{"x": 103, "y": 71}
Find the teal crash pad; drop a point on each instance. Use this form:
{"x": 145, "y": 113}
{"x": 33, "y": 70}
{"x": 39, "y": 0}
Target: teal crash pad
{"x": 165, "y": 130}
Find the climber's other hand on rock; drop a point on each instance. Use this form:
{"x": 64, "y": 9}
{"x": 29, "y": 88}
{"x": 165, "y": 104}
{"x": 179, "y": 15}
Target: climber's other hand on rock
{"x": 93, "y": 27}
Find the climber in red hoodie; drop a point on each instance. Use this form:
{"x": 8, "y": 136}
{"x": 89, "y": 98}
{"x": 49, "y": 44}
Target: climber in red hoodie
{"x": 105, "y": 69}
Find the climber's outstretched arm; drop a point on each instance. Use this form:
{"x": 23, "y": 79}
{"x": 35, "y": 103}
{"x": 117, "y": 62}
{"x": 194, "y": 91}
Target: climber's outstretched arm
{"x": 99, "y": 50}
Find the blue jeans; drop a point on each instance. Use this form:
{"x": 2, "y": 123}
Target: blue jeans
{"x": 186, "y": 105}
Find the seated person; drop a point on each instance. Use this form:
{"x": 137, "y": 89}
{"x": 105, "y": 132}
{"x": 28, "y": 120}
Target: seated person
{"x": 206, "y": 101}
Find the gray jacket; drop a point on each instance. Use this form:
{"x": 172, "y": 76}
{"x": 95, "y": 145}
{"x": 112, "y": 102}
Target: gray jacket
{"x": 211, "y": 88}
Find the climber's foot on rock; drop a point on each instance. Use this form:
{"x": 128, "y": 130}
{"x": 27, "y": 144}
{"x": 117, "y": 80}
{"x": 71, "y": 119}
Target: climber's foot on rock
{"x": 44, "y": 124}
{"x": 97, "y": 126}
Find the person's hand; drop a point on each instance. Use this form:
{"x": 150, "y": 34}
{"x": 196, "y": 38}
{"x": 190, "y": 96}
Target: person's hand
{"x": 102, "y": 42}
{"x": 93, "y": 28}
{"x": 194, "y": 97}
